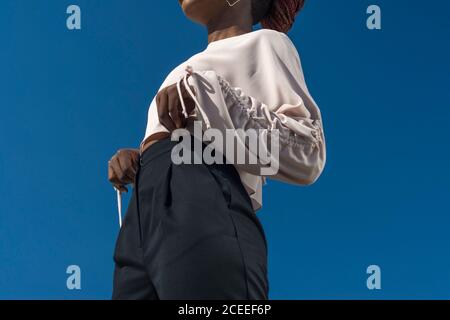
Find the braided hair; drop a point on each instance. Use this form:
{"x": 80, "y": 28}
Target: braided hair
{"x": 280, "y": 14}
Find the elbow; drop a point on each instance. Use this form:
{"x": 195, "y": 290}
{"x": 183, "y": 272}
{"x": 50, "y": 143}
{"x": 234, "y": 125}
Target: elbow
{"x": 317, "y": 163}
{"x": 314, "y": 173}
{"x": 310, "y": 171}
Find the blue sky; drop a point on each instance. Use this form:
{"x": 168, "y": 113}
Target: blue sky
{"x": 69, "y": 99}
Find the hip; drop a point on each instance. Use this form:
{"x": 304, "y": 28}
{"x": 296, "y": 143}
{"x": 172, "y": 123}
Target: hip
{"x": 202, "y": 199}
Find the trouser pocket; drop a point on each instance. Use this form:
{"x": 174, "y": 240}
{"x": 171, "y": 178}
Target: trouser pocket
{"x": 222, "y": 182}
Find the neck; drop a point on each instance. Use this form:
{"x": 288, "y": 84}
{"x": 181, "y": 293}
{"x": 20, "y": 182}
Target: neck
{"x": 232, "y": 22}
{"x": 227, "y": 32}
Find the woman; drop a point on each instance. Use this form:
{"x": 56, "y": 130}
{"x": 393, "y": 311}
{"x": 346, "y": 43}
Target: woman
{"x": 191, "y": 231}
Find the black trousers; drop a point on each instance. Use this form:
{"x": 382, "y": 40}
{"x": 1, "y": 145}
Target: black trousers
{"x": 189, "y": 232}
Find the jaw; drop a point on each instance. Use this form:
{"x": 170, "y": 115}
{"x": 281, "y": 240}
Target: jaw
{"x": 202, "y": 11}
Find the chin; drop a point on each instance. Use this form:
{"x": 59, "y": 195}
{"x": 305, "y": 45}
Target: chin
{"x": 200, "y": 10}
{"x": 189, "y": 4}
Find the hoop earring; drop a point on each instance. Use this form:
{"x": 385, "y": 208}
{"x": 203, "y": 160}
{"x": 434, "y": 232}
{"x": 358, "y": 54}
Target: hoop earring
{"x": 232, "y": 2}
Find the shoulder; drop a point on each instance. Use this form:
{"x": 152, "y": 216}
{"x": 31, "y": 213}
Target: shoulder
{"x": 270, "y": 34}
{"x": 278, "y": 42}
{"x": 180, "y": 70}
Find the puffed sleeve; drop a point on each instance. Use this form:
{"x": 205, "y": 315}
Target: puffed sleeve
{"x": 289, "y": 131}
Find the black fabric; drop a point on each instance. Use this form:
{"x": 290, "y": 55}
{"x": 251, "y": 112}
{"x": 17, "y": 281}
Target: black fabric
{"x": 190, "y": 232}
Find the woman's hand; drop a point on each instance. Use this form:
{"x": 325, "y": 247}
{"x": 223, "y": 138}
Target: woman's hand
{"x": 170, "y": 111}
{"x": 123, "y": 165}
{"x": 122, "y": 168}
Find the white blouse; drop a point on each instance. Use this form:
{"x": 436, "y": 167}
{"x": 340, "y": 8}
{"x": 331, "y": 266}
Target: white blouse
{"x": 255, "y": 80}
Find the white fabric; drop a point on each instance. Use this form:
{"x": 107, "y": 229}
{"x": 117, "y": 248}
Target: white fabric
{"x": 256, "y": 81}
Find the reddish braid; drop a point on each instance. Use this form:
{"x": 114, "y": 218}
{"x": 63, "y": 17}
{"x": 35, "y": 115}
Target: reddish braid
{"x": 282, "y": 15}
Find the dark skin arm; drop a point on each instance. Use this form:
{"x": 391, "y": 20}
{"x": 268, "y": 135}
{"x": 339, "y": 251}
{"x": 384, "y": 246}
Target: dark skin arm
{"x": 222, "y": 21}
{"x": 123, "y": 165}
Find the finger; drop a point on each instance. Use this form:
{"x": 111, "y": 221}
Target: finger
{"x": 110, "y": 171}
{"x": 126, "y": 166}
{"x": 117, "y": 184}
{"x": 134, "y": 159}
{"x": 115, "y": 171}
{"x": 135, "y": 156}
{"x": 175, "y": 109}
{"x": 163, "y": 112}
